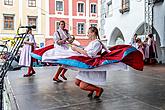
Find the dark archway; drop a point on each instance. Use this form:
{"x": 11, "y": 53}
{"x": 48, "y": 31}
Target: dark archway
{"x": 140, "y": 31}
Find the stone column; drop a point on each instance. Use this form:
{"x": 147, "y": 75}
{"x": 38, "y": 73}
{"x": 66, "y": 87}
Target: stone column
{"x": 163, "y": 54}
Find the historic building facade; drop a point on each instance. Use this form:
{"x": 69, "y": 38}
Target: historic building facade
{"x": 123, "y": 18}
{"x": 15, "y": 13}
{"x": 79, "y": 15}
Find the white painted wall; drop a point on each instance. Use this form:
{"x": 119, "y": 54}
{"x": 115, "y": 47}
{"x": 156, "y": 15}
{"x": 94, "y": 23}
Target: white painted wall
{"x": 159, "y": 21}
{"x": 127, "y": 22}
{"x": 159, "y": 25}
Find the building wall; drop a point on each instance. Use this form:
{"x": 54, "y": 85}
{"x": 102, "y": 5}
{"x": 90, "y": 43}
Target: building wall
{"x": 72, "y": 16}
{"x": 74, "y": 4}
{"x": 102, "y": 18}
{"x": 75, "y": 27}
{"x": 159, "y": 21}
{"x": 21, "y": 11}
{"x": 159, "y": 25}
{"x": 6, "y": 9}
{"x": 127, "y": 23}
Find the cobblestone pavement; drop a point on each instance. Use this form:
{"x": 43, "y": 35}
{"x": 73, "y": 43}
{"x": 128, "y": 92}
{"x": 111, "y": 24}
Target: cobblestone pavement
{"x": 125, "y": 90}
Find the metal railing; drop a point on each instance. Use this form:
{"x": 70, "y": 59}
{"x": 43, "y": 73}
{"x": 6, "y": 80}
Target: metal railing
{"x": 5, "y": 67}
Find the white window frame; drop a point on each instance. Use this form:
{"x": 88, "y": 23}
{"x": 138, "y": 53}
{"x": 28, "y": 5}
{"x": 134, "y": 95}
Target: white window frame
{"x": 56, "y": 27}
{"x": 91, "y": 8}
{"x": 78, "y": 28}
{"x": 83, "y": 8}
{"x": 109, "y": 9}
{"x": 62, "y": 5}
{"x": 32, "y": 6}
{"x": 56, "y": 11}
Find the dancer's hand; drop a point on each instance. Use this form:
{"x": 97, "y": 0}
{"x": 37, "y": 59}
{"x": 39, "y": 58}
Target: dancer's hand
{"x": 74, "y": 48}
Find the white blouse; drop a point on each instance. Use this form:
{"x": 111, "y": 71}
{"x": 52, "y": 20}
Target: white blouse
{"x": 93, "y": 77}
{"x": 93, "y": 48}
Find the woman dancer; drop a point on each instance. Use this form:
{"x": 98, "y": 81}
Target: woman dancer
{"x": 88, "y": 80}
{"x": 61, "y": 40}
{"x": 25, "y": 57}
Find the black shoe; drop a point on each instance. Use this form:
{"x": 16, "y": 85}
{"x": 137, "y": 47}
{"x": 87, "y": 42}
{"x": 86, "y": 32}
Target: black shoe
{"x": 98, "y": 97}
{"x": 63, "y": 77}
{"x": 90, "y": 94}
{"x": 57, "y": 80}
{"x": 33, "y": 72}
{"x": 27, "y": 75}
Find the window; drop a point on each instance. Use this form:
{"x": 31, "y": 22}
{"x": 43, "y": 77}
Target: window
{"x": 32, "y": 20}
{"x": 32, "y": 3}
{"x": 93, "y": 8}
{"x": 81, "y": 28}
{"x": 8, "y": 2}
{"x": 9, "y": 22}
{"x": 59, "y": 5}
{"x": 124, "y": 6}
{"x": 103, "y": 13}
{"x": 109, "y": 9}
{"x": 102, "y": 1}
{"x": 80, "y": 7}
{"x": 93, "y": 25}
{"x": 57, "y": 25}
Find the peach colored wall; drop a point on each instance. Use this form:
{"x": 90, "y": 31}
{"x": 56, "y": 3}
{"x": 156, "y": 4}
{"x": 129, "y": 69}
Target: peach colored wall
{"x": 51, "y": 6}
{"x": 66, "y": 5}
{"x": 93, "y": 21}
{"x": 83, "y": 42}
{"x": 49, "y": 41}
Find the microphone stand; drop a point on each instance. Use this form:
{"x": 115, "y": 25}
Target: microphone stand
{"x": 5, "y": 67}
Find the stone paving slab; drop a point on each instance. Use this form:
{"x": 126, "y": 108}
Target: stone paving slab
{"x": 125, "y": 90}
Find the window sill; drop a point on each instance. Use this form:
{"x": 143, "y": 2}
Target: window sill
{"x": 8, "y": 29}
{"x": 124, "y": 10}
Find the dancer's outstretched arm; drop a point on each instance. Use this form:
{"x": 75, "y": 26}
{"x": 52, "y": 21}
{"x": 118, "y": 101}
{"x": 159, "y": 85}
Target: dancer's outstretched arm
{"x": 79, "y": 50}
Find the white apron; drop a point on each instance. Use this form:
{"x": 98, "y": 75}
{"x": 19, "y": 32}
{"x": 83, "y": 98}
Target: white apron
{"x": 25, "y": 57}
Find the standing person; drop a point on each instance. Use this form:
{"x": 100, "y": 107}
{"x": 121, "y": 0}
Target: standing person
{"x": 61, "y": 40}
{"x": 87, "y": 80}
{"x": 133, "y": 40}
{"x": 140, "y": 46}
{"x": 146, "y": 50}
{"x": 25, "y": 57}
{"x": 152, "y": 49}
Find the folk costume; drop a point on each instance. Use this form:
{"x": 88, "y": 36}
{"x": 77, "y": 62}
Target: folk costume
{"x": 25, "y": 57}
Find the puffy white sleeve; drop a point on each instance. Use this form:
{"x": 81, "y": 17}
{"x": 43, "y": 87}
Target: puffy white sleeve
{"x": 31, "y": 39}
{"x": 93, "y": 49}
{"x": 56, "y": 37}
